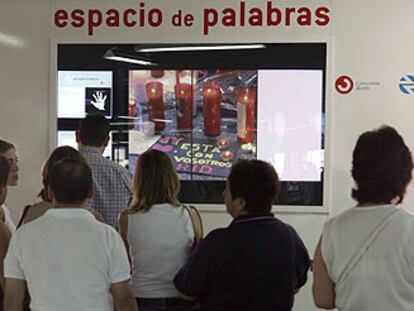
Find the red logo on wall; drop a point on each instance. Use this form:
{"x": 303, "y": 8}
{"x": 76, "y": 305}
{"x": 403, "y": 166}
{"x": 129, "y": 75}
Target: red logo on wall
{"x": 344, "y": 85}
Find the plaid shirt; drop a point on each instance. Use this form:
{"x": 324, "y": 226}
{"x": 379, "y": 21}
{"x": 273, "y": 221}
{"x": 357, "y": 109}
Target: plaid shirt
{"x": 112, "y": 185}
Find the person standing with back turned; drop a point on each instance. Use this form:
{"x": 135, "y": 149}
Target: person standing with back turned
{"x": 112, "y": 182}
{"x": 67, "y": 259}
{"x": 257, "y": 262}
{"x": 365, "y": 258}
{"x": 158, "y": 233}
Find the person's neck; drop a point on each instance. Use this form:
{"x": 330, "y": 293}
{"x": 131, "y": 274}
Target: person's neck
{"x": 100, "y": 149}
{"x": 362, "y": 205}
{"x": 69, "y": 205}
{"x": 241, "y": 213}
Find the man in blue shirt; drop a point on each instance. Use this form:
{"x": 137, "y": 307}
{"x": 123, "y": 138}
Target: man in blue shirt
{"x": 257, "y": 262}
{"x": 112, "y": 182}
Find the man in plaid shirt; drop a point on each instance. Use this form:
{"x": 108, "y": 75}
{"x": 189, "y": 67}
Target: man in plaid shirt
{"x": 112, "y": 182}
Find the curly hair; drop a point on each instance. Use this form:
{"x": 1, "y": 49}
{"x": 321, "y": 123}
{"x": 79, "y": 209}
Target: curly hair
{"x": 381, "y": 166}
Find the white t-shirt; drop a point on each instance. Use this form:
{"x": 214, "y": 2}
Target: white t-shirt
{"x": 7, "y": 219}
{"x": 159, "y": 241}
{"x": 69, "y": 261}
{"x": 383, "y": 279}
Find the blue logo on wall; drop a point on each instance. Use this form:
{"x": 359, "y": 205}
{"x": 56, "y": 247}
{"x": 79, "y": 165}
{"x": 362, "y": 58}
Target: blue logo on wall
{"x": 407, "y": 84}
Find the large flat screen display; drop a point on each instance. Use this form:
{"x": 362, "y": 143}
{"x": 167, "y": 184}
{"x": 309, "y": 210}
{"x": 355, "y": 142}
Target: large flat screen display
{"x": 206, "y": 109}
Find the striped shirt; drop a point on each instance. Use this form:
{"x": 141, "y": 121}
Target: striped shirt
{"x": 112, "y": 185}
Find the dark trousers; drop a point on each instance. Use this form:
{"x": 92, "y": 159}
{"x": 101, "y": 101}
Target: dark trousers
{"x": 164, "y": 304}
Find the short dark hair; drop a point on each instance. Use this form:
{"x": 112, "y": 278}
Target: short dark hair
{"x": 257, "y": 183}
{"x": 4, "y": 171}
{"x": 93, "y": 130}
{"x": 70, "y": 181}
{"x": 5, "y": 146}
{"x": 381, "y": 166}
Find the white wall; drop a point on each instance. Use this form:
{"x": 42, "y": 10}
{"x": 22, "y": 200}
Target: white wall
{"x": 24, "y": 96}
{"x": 368, "y": 40}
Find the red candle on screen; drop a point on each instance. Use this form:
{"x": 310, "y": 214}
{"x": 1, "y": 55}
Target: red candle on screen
{"x": 211, "y": 108}
{"x": 184, "y": 102}
{"x": 246, "y": 102}
{"x": 156, "y": 104}
{"x": 189, "y": 77}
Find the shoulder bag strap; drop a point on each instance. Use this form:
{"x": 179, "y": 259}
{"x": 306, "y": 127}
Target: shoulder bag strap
{"x": 23, "y": 216}
{"x": 359, "y": 253}
{"x": 196, "y": 221}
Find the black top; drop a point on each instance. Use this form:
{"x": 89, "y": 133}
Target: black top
{"x": 256, "y": 263}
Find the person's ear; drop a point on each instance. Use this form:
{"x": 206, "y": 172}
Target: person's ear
{"x": 106, "y": 141}
{"x": 77, "y": 137}
{"x": 396, "y": 200}
{"x": 240, "y": 204}
{"x": 50, "y": 194}
{"x": 90, "y": 194}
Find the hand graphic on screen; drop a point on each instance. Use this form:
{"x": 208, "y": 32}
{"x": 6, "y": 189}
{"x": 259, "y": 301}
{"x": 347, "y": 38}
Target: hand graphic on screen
{"x": 99, "y": 100}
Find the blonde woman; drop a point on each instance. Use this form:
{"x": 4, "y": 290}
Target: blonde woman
{"x": 157, "y": 232}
